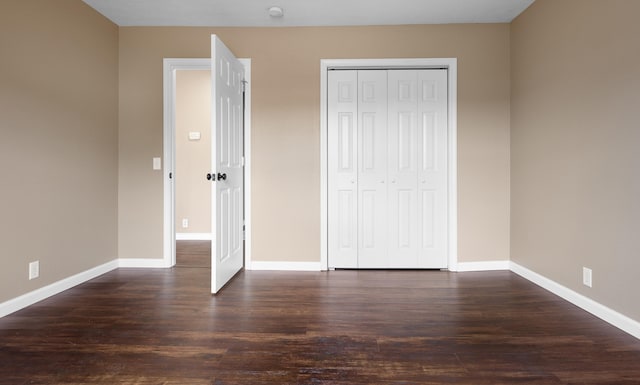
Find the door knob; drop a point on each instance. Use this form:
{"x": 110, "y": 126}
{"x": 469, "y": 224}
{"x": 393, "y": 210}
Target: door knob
{"x": 211, "y": 177}
{"x": 222, "y": 176}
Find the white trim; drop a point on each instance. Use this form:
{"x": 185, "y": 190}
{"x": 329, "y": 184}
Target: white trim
{"x": 170, "y": 66}
{"x": 452, "y": 66}
{"x": 324, "y": 183}
{"x": 153, "y": 263}
{"x": 247, "y": 162}
{"x": 193, "y": 236}
{"x": 609, "y": 315}
{"x": 482, "y": 266}
{"x": 284, "y": 266}
{"x": 38, "y": 295}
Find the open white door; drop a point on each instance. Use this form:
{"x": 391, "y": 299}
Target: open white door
{"x": 227, "y": 194}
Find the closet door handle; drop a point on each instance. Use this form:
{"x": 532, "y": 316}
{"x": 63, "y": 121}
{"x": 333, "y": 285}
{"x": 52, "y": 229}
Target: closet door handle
{"x": 211, "y": 177}
{"x": 222, "y": 176}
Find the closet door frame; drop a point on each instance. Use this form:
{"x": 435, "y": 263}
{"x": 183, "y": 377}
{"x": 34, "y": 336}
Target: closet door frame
{"x": 450, "y": 64}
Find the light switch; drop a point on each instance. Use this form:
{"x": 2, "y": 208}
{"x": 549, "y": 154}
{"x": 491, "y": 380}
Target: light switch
{"x": 157, "y": 164}
{"x": 194, "y": 135}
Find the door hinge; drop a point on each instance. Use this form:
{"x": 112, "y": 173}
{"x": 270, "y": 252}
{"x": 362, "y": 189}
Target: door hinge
{"x": 244, "y": 85}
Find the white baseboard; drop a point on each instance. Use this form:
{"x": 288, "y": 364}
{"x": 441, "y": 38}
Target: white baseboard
{"x": 193, "y": 236}
{"x": 38, "y": 295}
{"x": 287, "y": 266}
{"x": 142, "y": 263}
{"x": 482, "y": 266}
{"x": 609, "y": 315}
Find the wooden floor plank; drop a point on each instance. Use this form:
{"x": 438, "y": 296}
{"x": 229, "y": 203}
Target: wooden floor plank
{"x": 161, "y": 326}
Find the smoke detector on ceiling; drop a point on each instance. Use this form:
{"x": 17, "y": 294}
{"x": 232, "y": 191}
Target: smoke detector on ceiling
{"x": 276, "y": 12}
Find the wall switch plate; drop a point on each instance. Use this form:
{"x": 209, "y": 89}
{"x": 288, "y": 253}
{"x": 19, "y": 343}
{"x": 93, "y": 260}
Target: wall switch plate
{"x": 194, "y": 135}
{"x": 34, "y": 270}
{"x": 157, "y": 164}
{"x": 185, "y": 223}
{"x": 587, "y": 276}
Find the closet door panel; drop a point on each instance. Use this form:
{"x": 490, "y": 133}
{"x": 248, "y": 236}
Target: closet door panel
{"x": 433, "y": 168}
{"x": 342, "y": 141}
{"x": 372, "y": 170}
{"x": 402, "y": 168}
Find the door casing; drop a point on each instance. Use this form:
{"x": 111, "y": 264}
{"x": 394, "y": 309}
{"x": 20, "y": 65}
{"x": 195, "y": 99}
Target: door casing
{"x": 452, "y": 67}
{"x": 170, "y": 66}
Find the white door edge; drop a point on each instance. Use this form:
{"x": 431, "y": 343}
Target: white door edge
{"x": 451, "y": 64}
{"x": 170, "y": 66}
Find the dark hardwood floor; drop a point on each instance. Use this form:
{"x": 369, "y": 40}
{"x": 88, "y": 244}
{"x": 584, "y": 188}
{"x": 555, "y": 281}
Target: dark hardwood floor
{"x": 157, "y": 326}
{"x": 193, "y": 254}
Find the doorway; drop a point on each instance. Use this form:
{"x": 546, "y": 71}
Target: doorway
{"x": 328, "y": 197}
{"x": 172, "y": 223}
{"x": 192, "y": 161}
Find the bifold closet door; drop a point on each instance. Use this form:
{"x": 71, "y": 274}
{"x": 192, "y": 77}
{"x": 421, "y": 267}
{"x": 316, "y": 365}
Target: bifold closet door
{"x": 357, "y": 142}
{"x": 387, "y": 164}
{"x": 417, "y": 167}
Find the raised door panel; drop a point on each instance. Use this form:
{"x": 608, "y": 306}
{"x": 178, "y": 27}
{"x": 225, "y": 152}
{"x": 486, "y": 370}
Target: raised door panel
{"x": 342, "y": 142}
{"x": 433, "y": 168}
{"x": 372, "y": 169}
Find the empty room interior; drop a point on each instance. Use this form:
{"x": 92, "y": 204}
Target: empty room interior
{"x": 407, "y": 192}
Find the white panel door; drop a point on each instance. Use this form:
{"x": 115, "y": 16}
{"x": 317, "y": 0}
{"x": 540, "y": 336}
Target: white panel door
{"x": 432, "y": 168}
{"x": 372, "y": 169}
{"x": 342, "y": 102}
{"x": 227, "y": 206}
{"x": 403, "y": 169}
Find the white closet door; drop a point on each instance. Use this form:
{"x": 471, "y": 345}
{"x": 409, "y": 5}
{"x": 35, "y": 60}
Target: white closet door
{"x": 432, "y": 168}
{"x": 372, "y": 169}
{"x": 403, "y": 169}
{"x": 387, "y": 152}
{"x": 342, "y": 120}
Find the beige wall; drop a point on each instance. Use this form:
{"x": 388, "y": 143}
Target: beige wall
{"x": 58, "y": 146}
{"x": 285, "y": 127}
{"x": 565, "y": 74}
{"x": 575, "y": 142}
{"x": 193, "y": 157}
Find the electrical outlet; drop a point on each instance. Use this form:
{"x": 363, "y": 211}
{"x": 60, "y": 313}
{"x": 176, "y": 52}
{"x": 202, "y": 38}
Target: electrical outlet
{"x": 34, "y": 270}
{"x": 185, "y": 223}
{"x": 587, "y": 276}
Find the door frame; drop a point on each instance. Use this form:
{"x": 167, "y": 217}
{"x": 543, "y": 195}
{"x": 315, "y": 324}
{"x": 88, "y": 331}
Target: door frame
{"x": 170, "y": 66}
{"x": 451, "y": 64}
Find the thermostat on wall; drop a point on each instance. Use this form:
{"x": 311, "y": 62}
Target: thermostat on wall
{"x": 194, "y": 135}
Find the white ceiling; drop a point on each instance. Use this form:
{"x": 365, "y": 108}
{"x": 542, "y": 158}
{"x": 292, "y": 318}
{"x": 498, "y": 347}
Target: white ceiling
{"x": 253, "y": 13}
